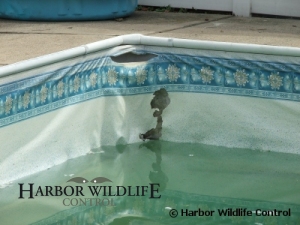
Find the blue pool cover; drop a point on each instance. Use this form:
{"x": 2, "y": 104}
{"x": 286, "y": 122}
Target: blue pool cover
{"x": 66, "y": 9}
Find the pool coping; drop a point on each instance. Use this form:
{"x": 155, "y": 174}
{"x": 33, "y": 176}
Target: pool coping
{"x": 138, "y": 39}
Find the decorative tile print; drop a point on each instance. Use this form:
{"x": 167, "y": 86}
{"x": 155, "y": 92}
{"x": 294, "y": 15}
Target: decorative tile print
{"x": 296, "y": 83}
{"x": 161, "y": 75}
{"x": 60, "y": 88}
{"x": 141, "y": 75}
{"x": 206, "y": 75}
{"x": 8, "y": 105}
{"x": 195, "y": 76}
{"x": 112, "y": 76}
{"x": 275, "y": 81}
{"x": 241, "y": 78}
{"x": 264, "y": 81}
{"x": 287, "y": 82}
{"x": 173, "y": 73}
{"x": 76, "y": 84}
{"x": 25, "y": 99}
{"x": 151, "y": 75}
{"x": 253, "y": 79}
{"x": 93, "y": 79}
{"x": 42, "y": 93}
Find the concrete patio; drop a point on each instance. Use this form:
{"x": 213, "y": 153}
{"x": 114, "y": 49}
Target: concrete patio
{"x": 21, "y": 40}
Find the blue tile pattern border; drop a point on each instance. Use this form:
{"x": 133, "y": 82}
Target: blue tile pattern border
{"x": 100, "y": 77}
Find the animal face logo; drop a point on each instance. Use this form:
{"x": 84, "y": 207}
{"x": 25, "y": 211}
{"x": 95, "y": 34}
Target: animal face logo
{"x": 82, "y": 180}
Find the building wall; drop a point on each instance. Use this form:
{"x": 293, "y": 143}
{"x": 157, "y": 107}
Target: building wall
{"x": 237, "y": 7}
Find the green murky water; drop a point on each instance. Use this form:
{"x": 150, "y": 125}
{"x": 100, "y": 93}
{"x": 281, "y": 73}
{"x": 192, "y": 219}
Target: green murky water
{"x": 192, "y": 177}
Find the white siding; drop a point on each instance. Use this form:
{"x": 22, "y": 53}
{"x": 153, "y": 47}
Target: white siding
{"x": 238, "y": 7}
{"x": 218, "y": 5}
{"x": 277, "y": 7}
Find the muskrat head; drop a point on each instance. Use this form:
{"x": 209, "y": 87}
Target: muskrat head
{"x": 160, "y": 100}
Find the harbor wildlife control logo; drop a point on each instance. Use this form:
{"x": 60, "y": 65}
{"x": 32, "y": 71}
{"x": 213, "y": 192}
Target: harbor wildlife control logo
{"x": 91, "y": 194}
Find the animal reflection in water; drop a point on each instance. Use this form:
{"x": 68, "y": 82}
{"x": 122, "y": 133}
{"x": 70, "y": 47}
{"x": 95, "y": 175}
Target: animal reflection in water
{"x": 157, "y": 175}
{"x": 160, "y": 101}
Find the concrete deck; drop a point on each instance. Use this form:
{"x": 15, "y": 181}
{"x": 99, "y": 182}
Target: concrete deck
{"x": 20, "y": 40}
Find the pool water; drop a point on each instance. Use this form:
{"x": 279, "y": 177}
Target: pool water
{"x": 193, "y": 177}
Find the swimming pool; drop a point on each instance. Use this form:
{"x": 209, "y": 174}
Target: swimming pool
{"x": 66, "y": 9}
{"x": 226, "y": 116}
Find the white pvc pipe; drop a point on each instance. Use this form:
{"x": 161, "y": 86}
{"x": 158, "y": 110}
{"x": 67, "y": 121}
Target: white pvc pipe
{"x": 41, "y": 61}
{"x": 137, "y": 39}
{"x": 236, "y": 47}
{"x": 101, "y": 45}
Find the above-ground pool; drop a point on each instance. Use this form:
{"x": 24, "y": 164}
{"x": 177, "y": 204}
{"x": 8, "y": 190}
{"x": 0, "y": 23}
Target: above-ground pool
{"x": 66, "y": 9}
{"x": 144, "y": 130}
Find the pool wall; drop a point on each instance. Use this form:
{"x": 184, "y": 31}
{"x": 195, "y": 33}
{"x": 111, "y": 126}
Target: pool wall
{"x": 67, "y": 104}
{"x": 66, "y": 9}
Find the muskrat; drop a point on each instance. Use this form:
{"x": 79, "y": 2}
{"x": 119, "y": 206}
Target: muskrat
{"x": 160, "y": 101}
